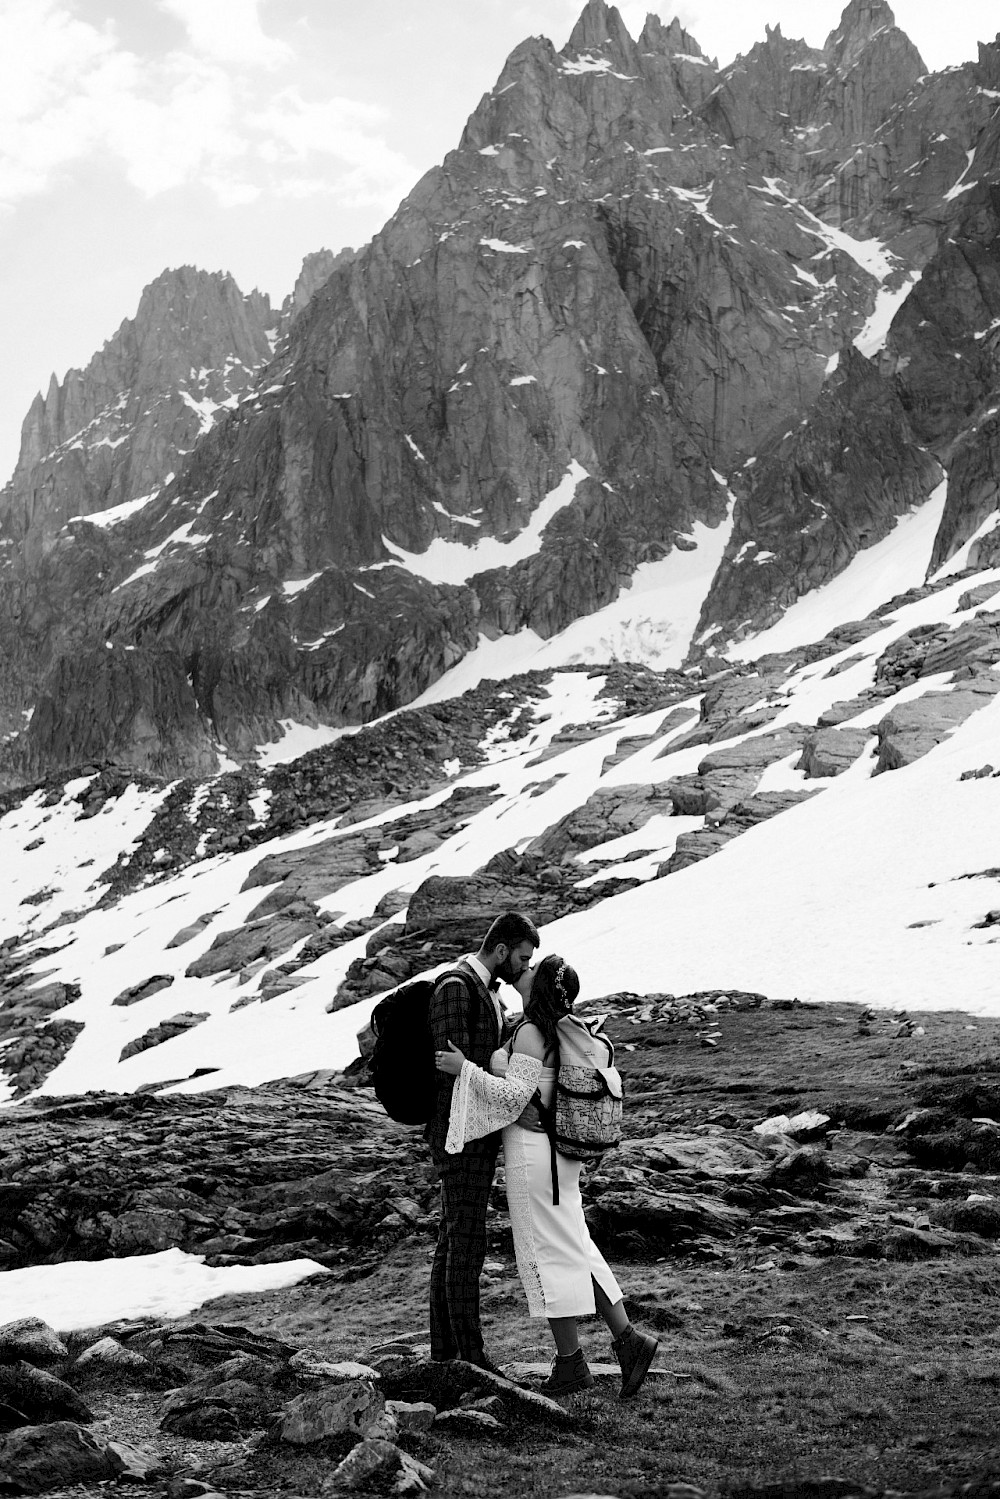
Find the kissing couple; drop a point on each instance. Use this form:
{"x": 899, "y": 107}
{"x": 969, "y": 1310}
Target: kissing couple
{"x": 492, "y": 1074}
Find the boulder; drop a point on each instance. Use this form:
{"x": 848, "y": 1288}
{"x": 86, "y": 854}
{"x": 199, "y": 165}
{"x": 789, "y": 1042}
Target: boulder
{"x": 192, "y": 930}
{"x": 830, "y": 751}
{"x": 911, "y": 729}
{"x": 40, "y": 1396}
{"x": 108, "y": 1353}
{"x": 31, "y": 1339}
{"x": 165, "y": 1031}
{"x": 608, "y": 813}
{"x": 204, "y": 1419}
{"x": 138, "y": 1231}
{"x": 663, "y": 1219}
{"x": 412, "y": 1415}
{"x": 153, "y": 985}
{"x": 262, "y": 939}
{"x": 349, "y": 1406}
{"x": 58, "y": 1455}
{"x": 310, "y": 1365}
{"x": 371, "y": 1462}
{"x": 467, "y": 1421}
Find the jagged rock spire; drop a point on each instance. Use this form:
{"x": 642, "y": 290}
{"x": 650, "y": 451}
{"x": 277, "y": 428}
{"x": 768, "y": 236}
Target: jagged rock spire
{"x": 861, "y": 21}
{"x": 668, "y": 40}
{"x": 600, "y": 25}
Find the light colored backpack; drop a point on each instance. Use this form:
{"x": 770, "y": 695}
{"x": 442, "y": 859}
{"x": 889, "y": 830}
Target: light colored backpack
{"x": 585, "y": 1117}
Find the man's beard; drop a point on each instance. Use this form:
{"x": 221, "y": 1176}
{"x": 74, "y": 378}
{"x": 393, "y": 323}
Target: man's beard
{"x": 505, "y": 972}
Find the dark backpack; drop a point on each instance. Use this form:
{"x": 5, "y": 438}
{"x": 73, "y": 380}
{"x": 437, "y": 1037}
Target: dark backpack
{"x": 401, "y": 1067}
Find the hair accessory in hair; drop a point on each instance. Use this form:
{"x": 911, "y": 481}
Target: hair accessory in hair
{"x": 560, "y": 982}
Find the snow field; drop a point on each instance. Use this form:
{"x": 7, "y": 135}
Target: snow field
{"x": 90, "y": 1293}
{"x": 71, "y": 854}
{"x": 857, "y": 894}
{"x": 652, "y": 622}
{"x": 291, "y": 1033}
{"x": 882, "y": 571}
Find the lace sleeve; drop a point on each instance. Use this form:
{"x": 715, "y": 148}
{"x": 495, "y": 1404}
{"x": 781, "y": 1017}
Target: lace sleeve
{"x": 482, "y": 1103}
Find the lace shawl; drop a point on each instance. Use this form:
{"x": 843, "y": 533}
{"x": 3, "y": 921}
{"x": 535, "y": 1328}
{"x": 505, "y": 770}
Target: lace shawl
{"x": 482, "y": 1103}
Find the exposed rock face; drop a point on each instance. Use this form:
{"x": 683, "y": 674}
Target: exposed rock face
{"x": 818, "y": 496}
{"x": 556, "y": 360}
{"x": 316, "y": 268}
{"x": 830, "y": 751}
{"x": 115, "y": 430}
{"x": 911, "y": 729}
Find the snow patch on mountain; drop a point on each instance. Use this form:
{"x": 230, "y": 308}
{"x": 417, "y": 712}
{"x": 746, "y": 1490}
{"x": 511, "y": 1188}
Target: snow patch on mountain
{"x": 455, "y": 562}
{"x": 892, "y": 923}
{"x": 888, "y": 568}
{"x": 650, "y": 623}
{"x": 298, "y": 739}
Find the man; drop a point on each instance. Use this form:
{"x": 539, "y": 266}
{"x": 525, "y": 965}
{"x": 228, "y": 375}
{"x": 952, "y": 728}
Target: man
{"x": 465, "y": 1012}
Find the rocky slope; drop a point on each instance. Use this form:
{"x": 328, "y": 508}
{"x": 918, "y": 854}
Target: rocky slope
{"x": 609, "y": 320}
{"x": 239, "y": 927}
{"x": 829, "y": 1236}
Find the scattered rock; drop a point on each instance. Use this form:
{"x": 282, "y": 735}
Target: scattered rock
{"x": 467, "y": 1421}
{"x": 40, "y": 1396}
{"x": 109, "y": 1353}
{"x": 153, "y": 985}
{"x": 372, "y": 1460}
{"x": 31, "y": 1339}
{"x": 351, "y": 1406}
{"x": 55, "y": 1456}
{"x": 412, "y": 1415}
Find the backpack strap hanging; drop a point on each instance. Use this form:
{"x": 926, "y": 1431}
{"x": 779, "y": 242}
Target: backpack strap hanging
{"x": 548, "y": 1118}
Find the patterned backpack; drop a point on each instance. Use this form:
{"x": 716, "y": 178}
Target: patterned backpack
{"x": 585, "y": 1117}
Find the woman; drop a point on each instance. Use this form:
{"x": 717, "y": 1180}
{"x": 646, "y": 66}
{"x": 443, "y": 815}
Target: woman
{"x": 564, "y": 1274}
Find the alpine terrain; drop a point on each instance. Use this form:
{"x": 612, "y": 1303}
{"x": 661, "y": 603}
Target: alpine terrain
{"x": 615, "y": 537}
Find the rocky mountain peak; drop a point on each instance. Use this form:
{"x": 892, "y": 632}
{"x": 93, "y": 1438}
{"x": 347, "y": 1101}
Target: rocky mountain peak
{"x": 101, "y": 436}
{"x": 669, "y": 40}
{"x": 601, "y": 26}
{"x": 860, "y": 24}
{"x": 317, "y": 267}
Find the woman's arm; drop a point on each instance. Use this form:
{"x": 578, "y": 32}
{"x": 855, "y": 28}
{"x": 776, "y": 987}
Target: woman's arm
{"x": 482, "y": 1103}
{"x": 529, "y": 1041}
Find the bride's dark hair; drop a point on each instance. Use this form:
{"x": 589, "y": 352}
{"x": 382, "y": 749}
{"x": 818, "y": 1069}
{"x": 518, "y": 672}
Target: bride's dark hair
{"x": 553, "y": 989}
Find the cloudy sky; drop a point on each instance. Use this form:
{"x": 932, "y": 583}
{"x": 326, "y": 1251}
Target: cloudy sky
{"x": 241, "y": 134}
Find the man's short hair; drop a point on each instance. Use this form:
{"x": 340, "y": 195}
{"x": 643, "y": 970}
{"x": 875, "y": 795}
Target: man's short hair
{"x": 511, "y": 929}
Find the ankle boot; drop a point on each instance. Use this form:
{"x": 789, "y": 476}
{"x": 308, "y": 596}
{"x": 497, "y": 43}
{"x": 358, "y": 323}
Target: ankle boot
{"x": 635, "y": 1352}
{"x": 569, "y": 1374}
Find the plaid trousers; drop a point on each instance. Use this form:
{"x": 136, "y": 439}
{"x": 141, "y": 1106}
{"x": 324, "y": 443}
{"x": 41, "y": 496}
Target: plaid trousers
{"x": 461, "y": 1250}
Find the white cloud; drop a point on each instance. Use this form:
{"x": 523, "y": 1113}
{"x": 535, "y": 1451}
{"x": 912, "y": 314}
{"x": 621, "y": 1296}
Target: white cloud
{"x": 69, "y": 91}
{"x": 294, "y": 128}
{"x": 228, "y": 31}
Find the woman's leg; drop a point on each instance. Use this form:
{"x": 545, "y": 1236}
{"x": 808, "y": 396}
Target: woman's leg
{"x": 613, "y": 1313}
{"x": 633, "y": 1350}
{"x": 567, "y": 1337}
{"x": 569, "y": 1367}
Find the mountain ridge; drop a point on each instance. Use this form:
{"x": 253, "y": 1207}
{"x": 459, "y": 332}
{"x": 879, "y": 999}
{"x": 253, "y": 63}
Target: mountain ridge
{"x": 602, "y": 309}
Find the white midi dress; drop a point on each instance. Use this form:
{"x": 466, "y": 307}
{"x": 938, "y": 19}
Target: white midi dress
{"x": 557, "y": 1260}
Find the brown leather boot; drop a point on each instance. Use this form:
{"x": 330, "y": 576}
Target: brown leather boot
{"x": 635, "y": 1352}
{"x": 569, "y": 1374}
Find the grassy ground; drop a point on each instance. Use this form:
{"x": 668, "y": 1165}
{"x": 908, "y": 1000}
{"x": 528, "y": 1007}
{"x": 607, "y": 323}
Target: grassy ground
{"x": 883, "y": 1372}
